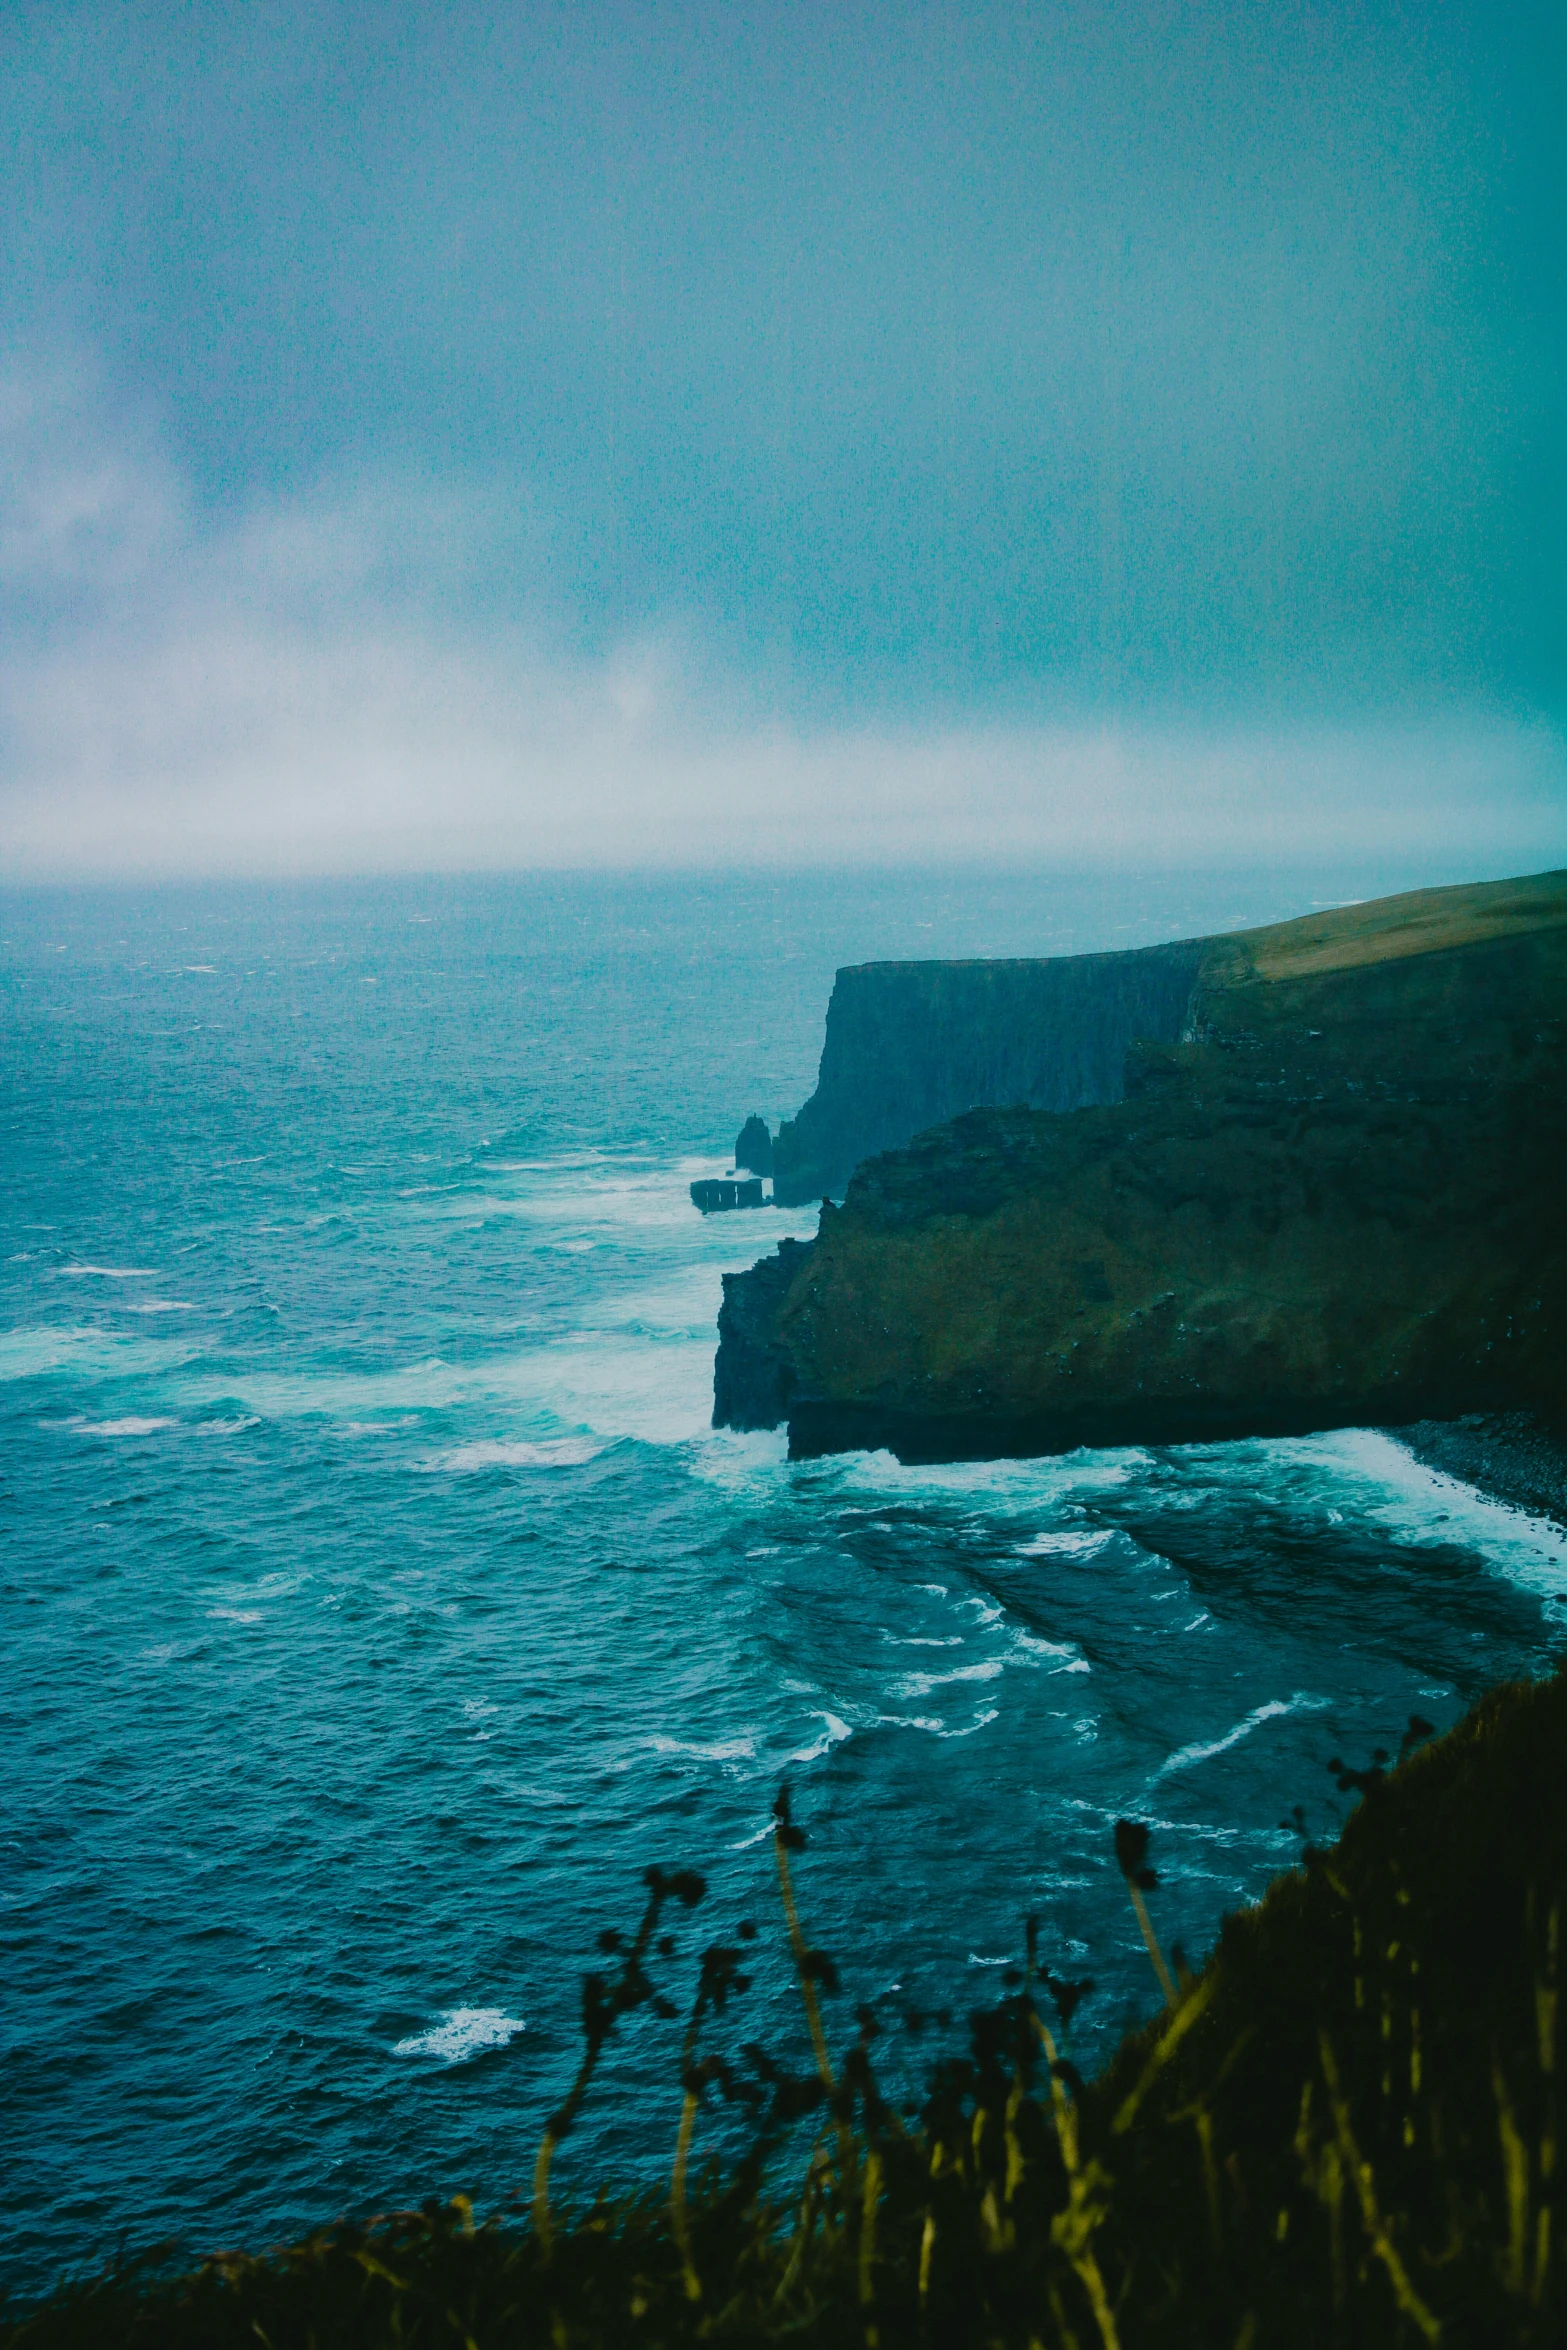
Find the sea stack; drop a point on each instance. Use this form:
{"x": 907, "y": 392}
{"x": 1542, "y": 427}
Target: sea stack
{"x": 754, "y": 1147}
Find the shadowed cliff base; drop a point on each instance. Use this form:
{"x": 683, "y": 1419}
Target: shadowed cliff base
{"x": 1337, "y": 1201}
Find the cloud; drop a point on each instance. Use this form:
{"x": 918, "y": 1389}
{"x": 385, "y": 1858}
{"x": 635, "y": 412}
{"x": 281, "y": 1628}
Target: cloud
{"x": 316, "y": 685}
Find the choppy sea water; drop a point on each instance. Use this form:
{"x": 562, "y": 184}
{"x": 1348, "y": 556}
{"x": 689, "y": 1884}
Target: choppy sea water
{"x": 377, "y": 1603}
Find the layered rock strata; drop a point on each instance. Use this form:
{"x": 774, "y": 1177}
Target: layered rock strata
{"x": 909, "y": 1045}
{"x": 1338, "y": 1202}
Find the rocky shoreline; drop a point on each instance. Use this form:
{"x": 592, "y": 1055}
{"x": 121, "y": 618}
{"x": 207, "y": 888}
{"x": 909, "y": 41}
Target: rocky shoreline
{"x": 1513, "y": 1457}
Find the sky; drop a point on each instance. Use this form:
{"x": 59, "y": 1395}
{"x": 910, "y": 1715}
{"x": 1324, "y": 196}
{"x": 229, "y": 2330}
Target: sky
{"x": 458, "y": 436}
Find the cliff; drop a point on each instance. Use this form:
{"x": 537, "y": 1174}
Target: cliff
{"x": 910, "y": 1045}
{"x": 1337, "y": 1202}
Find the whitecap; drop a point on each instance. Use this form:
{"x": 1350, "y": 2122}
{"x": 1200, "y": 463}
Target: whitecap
{"x": 461, "y": 2033}
{"x": 723, "y": 1749}
{"x": 834, "y": 1735}
{"x": 1274, "y": 1710}
{"x": 557, "y": 1452}
{"x": 109, "y": 1272}
{"x": 921, "y": 1684}
{"x": 163, "y": 1305}
{"x": 127, "y": 1427}
{"x": 234, "y": 1615}
{"x": 1032, "y": 1645}
{"x": 1084, "y": 1544}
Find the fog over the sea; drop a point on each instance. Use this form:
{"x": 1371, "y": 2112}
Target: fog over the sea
{"x": 677, "y": 433}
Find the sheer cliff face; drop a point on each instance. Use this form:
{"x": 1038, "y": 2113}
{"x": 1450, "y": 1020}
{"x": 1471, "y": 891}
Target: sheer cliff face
{"x": 910, "y": 1045}
{"x": 1339, "y": 1201}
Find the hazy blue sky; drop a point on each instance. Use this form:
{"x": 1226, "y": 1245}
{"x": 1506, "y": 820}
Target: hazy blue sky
{"x": 456, "y": 434}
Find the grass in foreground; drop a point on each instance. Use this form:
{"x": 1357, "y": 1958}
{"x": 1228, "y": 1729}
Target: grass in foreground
{"x": 1345, "y": 2130}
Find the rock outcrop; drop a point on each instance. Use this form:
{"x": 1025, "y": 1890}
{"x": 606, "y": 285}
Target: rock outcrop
{"x": 754, "y": 1147}
{"x": 1338, "y": 1201}
{"x": 753, "y": 1378}
{"x": 911, "y": 1044}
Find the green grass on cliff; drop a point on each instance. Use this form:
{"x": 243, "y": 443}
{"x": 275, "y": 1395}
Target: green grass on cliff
{"x": 1343, "y": 2131}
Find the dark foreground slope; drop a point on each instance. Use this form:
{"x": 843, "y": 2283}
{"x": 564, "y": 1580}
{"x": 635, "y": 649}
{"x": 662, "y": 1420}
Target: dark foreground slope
{"x": 1345, "y": 2131}
{"x": 1340, "y": 1202}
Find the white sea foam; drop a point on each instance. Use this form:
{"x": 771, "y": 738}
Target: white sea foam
{"x": 163, "y": 1305}
{"x": 234, "y": 1615}
{"x": 126, "y": 1427}
{"x": 833, "y": 1735}
{"x": 1274, "y": 1710}
{"x": 1426, "y": 1505}
{"x": 921, "y": 1684}
{"x": 1032, "y": 1645}
{"x": 556, "y": 1452}
{"x": 1082, "y": 1543}
{"x": 722, "y": 1750}
{"x": 35, "y": 1349}
{"x": 461, "y": 2033}
{"x": 109, "y": 1272}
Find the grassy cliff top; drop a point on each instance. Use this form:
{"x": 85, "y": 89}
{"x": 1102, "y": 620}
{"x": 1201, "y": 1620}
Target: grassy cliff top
{"x": 1374, "y": 930}
{"x": 1382, "y": 930}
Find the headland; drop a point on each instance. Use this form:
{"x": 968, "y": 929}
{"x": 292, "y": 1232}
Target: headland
{"x": 1321, "y": 1187}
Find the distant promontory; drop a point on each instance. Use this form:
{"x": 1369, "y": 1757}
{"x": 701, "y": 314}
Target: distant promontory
{"x": 1284, "y": 1179}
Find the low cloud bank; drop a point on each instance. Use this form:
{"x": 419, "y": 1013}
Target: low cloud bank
{"x": 318, "y": 689}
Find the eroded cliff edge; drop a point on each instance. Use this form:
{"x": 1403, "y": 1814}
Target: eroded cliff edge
{"x": 910, "y": 1045}
{"x": 1339, "y": 1202}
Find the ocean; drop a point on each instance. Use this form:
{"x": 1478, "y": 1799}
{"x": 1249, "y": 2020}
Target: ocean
{"x": 378, "y": 1603}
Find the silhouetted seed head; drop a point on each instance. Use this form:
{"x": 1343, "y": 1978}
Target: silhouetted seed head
{"x": 687, "y": 1887}
{"x": 1418, "y": 1732}
{"x": 1012, "y": 1977}
{"x": 1131, "y": 1852}
{"x": 789, "y": 1836}
{"x": 721, "y": 1978}
{"x": 1362, "y": 1782}
{"x": 610, "y": 1941}
{"x": 819, "y": 1968}
{"x": 666, "y": 1946}
{"x": 1067, "y": 1997}
{"x": 664, "y": 2007}
{"x": 868, "y": 2021}
{"x": 746, "y": 1930}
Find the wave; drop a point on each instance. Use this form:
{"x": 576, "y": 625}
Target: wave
{"x": 723, "y": 1750}
{"x": 126, "y": 1427}
{"x": 1274, "y": 1710}
{"x": 557, "y": 1452}
{"x": 462, "y": 2033}
{"x": 109, "y": 1272}
{"x": 35, "y": 1350}
{"x": 834, "y": 1735}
